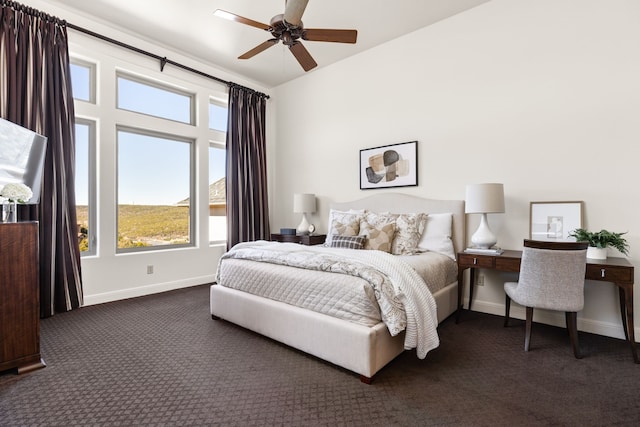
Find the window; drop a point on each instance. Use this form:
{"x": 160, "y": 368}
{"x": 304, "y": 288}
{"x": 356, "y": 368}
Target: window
{"x": 218, "y": 116}
{"x": 139, "y": 157}
{"x": 217, "y": 194}
{"x": 85, "y": 185}
{"x": 83, "y": 78}
{"x": 154, "y": 190}
{"x": 155, "y": 100}
{"x": 217, "y": 166}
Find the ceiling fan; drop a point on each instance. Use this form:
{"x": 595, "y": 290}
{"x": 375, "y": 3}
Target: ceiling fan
{"x": 288, "y": 28}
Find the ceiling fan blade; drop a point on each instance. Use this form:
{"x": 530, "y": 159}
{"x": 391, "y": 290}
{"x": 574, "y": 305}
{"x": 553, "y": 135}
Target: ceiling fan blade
{"x": 293, "y": 11}
{"x": 241, "y": 19}
{"x": 303, "y": 56}
{"x": 256, "y": 50}
{"x": 327, "y": 35}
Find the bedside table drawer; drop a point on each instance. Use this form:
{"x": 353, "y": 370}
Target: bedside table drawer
{"x": 609, "y": 273}
{"x": 474, "y": 260}
{"x": 313, "y": 239}
{"x": 286, "y": 238}
{"x": 508, "y": 264}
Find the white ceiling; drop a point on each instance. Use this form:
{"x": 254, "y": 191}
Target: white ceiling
{"x": 189, "y": 26}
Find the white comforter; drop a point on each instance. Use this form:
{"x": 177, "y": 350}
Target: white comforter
{"x": 404, "y": 299}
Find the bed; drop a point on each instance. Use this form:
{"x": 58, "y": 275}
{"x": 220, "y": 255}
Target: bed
{"x": 362, "y": 347}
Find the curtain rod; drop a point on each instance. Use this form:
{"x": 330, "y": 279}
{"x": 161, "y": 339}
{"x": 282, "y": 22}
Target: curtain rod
{"x": 163, "y": 60}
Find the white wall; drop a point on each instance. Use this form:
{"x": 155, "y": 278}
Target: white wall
{"x": 542, "y": 96}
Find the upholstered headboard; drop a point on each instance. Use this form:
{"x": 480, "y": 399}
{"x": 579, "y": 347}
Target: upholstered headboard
{"x": 404, "y": 203}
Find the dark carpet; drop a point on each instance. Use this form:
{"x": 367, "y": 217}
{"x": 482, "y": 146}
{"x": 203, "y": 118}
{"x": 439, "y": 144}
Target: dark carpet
{"x": 162, "y": 360}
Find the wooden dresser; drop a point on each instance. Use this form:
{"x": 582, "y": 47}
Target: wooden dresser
{"x": 19, "y": 297}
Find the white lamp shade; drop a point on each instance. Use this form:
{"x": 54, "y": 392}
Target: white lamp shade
{"x": 484, "y": 198}
{"x": 304, "y": 203}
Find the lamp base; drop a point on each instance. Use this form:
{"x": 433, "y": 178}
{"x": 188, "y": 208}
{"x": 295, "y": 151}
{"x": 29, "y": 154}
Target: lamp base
{"x": 303, "y": 228}
{"x": 484, "y": 238}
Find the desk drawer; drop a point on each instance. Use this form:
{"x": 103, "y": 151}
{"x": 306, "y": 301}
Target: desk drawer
{"x": 474, "y": 260}
{"x": 508, "y": 264}
{"x": 609, "y": 273}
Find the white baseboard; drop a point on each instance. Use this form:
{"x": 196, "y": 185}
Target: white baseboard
{"x": 145, "y": 290}
{"x": 554, "y": 318}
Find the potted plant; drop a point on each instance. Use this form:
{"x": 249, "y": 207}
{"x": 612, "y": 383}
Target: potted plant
{"x": 599, "y": 241}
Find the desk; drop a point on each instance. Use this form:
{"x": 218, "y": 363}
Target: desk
{"x": 618, "y": 271}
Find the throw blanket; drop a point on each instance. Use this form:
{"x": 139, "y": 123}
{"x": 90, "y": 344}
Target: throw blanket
{"x": 404, "y": 299}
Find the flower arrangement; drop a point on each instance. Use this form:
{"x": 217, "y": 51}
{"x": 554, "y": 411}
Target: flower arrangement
{"x": 15, "y": 193}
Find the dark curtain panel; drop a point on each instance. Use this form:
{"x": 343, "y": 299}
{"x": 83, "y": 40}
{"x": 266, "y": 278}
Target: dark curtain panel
{"x": 35, "y": 92}
{"x": 246, "y": 181}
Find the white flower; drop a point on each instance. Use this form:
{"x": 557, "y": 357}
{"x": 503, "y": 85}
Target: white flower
{"x": 16, "y": 193}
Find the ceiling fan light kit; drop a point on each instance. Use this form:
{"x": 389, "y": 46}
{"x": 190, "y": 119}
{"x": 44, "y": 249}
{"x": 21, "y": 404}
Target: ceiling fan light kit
{"x": 288, "y": 28}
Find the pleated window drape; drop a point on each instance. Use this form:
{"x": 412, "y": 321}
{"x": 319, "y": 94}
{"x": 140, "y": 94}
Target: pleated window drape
{"x": 246, "y": 174}
{"x": 35, "y": 92}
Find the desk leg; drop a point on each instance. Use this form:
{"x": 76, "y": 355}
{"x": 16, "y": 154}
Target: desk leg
{"x": 626, "y": 310}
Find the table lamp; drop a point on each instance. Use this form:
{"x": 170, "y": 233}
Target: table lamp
{"x": 304, "y": 203}
{"x": 484, "y": 199}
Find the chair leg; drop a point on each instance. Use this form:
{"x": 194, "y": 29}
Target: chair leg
{"x": 527, "y": 328}
{"x": 572, "y": 326}
{"x": 507, "y": 308}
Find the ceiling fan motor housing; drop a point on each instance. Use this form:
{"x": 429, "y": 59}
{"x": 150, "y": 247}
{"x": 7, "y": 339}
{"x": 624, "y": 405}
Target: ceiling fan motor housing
{"x": 281, "y": 29}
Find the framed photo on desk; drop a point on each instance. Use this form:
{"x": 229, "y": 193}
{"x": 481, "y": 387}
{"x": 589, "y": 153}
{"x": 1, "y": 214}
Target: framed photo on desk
{"x": 553, "y": 221}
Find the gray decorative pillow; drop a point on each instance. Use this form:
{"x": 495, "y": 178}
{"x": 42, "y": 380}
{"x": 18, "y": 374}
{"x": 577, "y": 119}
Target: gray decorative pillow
{"x": 379, "y": 237}
{"x": 409, "y": 228}
{"x": 348, "y": 242}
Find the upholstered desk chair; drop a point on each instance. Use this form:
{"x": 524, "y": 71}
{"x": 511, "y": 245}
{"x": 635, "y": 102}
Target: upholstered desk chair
{"x": 551, "y": 278}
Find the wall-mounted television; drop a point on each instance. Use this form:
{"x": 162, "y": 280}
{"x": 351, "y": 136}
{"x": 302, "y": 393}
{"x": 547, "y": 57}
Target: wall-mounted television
{"x": 22, "y": 154}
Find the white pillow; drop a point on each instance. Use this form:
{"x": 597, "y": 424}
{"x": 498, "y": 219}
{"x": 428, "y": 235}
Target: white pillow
{"x": 344, "y": 217}
{"x": 436, "y": 236}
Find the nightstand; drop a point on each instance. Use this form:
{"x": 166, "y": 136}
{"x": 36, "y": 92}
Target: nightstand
{"x": 303, "y": 239}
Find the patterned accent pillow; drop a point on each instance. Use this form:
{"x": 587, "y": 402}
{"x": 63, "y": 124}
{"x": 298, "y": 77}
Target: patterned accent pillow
{"x": 379, "y": 237}
{"x": 379, "y": 219}
{"x": 350, "y": 228}
{"x": 343, "y": 223}
{"x": 348, "y": 242}
{"x": 409, "y": 228}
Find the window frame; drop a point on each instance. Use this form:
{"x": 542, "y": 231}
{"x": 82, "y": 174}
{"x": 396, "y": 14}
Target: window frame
{"x": 219, "y": 146}
{"x": 92, "y": 185}
{"x": 92, "y": 79}
{"x": 192, "y": 188}
{"x": 158, "y": 85}
{"x": 218, "y": 134}
{"x": 218, "y": 139}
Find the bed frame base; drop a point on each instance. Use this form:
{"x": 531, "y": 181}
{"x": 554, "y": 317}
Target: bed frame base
{"x": 360, "y": 349}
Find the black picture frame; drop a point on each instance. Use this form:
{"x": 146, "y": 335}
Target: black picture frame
{"x": 393, "y": 165}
